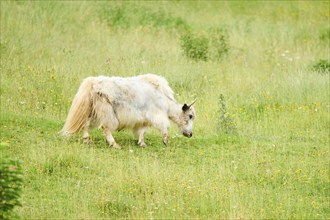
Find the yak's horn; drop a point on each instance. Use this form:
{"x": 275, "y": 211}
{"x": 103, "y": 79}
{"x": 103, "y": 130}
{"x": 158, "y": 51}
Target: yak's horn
{"x": 192, "y": 103}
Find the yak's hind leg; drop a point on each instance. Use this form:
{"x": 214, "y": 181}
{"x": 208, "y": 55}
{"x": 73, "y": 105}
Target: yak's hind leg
{"x": 86, "y": 139}
{"x": 140, "y": 133}
{"x": 106, "y": 117}
{"x": 109, "y": 137}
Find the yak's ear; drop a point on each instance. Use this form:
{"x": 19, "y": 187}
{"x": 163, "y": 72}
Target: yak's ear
{"x": 185, "y": 107}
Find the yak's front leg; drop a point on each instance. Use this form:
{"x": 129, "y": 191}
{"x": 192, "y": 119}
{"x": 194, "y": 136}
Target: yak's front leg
{"x": 162, "y": 125}
{"x": 110, "y": 138}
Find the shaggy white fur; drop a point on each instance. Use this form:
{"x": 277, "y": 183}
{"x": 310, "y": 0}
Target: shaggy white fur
{"x": 136, "y": 103}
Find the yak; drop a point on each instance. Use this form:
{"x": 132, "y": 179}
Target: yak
{"x": 136, "y": 103}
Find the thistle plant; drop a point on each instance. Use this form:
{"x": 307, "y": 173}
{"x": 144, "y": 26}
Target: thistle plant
{"x": 226, "y": 123}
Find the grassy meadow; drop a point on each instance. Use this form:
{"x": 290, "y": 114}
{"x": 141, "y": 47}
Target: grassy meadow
{"x": 260, "y": 148}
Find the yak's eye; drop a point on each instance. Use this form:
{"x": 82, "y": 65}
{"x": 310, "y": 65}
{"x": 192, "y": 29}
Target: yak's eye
{"x": 190, "y": 116}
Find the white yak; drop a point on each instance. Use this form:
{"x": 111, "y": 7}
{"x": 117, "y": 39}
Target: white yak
{"x": 136, "y": 103}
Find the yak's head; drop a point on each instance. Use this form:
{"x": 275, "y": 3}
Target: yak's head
{"x": 187, "y": 117}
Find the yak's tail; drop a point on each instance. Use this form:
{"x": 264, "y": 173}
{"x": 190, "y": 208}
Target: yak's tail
{"x": 81, "y": 108}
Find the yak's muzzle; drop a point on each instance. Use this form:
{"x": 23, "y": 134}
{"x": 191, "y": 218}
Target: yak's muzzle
{"x": 187, "y": 134}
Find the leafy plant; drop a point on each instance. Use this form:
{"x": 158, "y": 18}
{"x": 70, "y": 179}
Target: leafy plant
{"x": 325, "y": 34}
{"x": 211, "y": 46}
{"x": 219, "y": 46}
{"x": 11, "y": 182}
{"x": 117, "y": 17}
{"x": 195, "y": 47}
{"x": 322, "y": 66}
{"x": 124, "y": 16}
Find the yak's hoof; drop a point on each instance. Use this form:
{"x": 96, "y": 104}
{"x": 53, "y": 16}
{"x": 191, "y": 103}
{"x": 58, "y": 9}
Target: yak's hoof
{"x": 116, "y": 146}
{"x": 165, "y": 143}
{"x": 87, "y": 141}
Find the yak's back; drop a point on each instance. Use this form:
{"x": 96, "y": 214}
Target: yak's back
{"x": 120, "y": 89}
{"x": 160, "y": 83}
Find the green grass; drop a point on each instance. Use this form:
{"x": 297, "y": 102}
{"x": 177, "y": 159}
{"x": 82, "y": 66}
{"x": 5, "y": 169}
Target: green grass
{"x": 275, "y": 164}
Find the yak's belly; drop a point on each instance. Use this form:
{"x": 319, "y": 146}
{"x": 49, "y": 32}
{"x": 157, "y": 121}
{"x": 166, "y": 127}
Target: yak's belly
{"x": 132, "y": 118}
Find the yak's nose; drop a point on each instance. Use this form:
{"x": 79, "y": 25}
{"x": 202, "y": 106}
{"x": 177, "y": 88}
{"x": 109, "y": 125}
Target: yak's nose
{"x": 188, "y": 134}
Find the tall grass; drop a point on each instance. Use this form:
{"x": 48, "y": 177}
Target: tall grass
{"x": 275, "y": 164}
